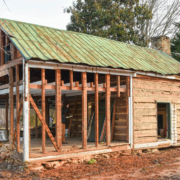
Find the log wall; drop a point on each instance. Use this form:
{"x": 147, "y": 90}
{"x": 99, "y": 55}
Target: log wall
{"x": 121, "y": 124}
{"x": 146, "y": 92}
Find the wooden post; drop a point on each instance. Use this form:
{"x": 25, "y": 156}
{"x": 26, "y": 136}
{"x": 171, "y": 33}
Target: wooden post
{"x": 84, "y": 110}
{"x": 7, "y": 115}
{"x": 47, "y": 111}
{"x": 17, "y": 110}
{"x": 11, "y": 105}
{"x": 118, "y": 86}
{"x": 71, "y": 78}
{"x": 36, "y": 124}
{"x": 25, "y": 113}
{"x": 127, "y": 105}
{"x": 29, "y": 109}
{"x": 43, "y": 110}
{"x": 96, "y": 111}
{"x": 108, "y": 115}
{"x": 2, "y": 46}
{"x": 58, "y": 110}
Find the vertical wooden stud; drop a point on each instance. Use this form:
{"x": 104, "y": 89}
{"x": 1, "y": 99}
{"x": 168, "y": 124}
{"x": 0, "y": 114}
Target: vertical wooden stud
{"x": 96, "y": 111}
{"x": 71, "y": 78}
{"x": 29, "y": 110}
{"x": 36, "y": 123}
{"x": 58, "y": 110}
{"x": 6, "y": 114}
{"x": 2, "y": 47}
{"x": 11, "y": 105}
{"x": 17, "y": 110}
{"x": 108, "y": 115}
{"x": 84, "y": 110}
{"x": 127, "y": 105}
{"x": 118, "y": 86}
{"x": 43, "y": 110}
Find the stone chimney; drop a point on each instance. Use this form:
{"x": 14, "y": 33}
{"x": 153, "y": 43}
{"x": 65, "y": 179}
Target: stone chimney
{"x": 161, "y": 43}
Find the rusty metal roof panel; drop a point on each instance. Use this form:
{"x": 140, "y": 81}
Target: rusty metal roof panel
{"x": 34, "y": 41}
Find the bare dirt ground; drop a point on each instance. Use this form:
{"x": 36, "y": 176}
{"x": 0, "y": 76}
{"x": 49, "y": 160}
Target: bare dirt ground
{"x": 162, "y": 165}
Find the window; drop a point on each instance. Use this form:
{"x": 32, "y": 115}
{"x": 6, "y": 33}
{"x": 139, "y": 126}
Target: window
{"x": 163, "y": 121}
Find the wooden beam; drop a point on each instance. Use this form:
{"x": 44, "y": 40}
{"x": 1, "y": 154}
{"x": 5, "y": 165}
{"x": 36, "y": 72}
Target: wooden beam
{"x": 16, "y": 134}
{"x": 43, "y": 110}
{"x": 36, "y": 133}
{"x": 127, "y": 105}
{"x": 84, "y": 109}
{"x": 108, "y": 112}
{"x": 71, "y": 78}
{"x": 2, "y": 47}
{"x": 118, "y": 86}
{"x": 96, "y": 111}
{"x": 113, "y": 119}
{"x": 58, "y": 109}
{"x": 29, "y": 120}
{"x": 11, "y": 105}
{"x": 43, "y": 122}
{"x": 17, "y": 110}
{"x": 6, "y": 104}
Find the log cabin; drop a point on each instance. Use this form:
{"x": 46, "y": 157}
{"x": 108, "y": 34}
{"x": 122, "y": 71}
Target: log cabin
{"x": 120, "y": 96}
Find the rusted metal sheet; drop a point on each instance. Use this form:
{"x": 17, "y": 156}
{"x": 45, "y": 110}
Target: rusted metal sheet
{"x": 34, "y": 41}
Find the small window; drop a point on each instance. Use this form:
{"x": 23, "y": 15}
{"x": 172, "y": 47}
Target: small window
{"x": 163, "y": 121}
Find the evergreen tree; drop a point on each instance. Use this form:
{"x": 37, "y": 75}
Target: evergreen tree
{"x": 175, "y": 45}
{"x": 120, "y": 20}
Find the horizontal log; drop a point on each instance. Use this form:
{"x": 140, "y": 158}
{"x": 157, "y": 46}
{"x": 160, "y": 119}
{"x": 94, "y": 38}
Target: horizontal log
{"x": 145, "y": 112}
{"x": 154, "y": 99}
{"x": 144, "y": 105}
{"x": 121, "y": 122}
{"x": 145, "y": 133}
{"x": 120, "y": 116}
{"x": 120, "y": 137}
{"x": 145, "y": 140}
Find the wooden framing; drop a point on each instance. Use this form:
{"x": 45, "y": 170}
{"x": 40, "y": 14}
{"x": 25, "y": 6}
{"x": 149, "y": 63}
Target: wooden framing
{"x": 84, "y": 109}
{"x": 36, "y": 133}
{"x": 43, "y": 123}
{"x": 58, "y": 110}
{"x": 6, "y": 106}
{"x": 2, "y": 47}
{"x": 118, "y": 86}
{"x": 96, "y": 111}
{"x": 108, "y": 112}
{"x": 17, "y": 110}
{"x": 71, "y": 78}
{"x": 11, "y": 105}
{"x": 43, "y": 110}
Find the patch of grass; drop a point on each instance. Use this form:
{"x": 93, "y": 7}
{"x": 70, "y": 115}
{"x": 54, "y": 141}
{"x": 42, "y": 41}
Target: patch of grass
{"x": 144, "y": 169}
{"x": 92, "y": 161}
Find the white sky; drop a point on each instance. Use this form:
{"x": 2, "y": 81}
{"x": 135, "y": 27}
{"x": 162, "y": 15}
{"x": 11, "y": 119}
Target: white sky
{"x": 43, "y": 12}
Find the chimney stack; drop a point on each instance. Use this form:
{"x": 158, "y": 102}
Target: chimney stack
{"x": 161, "y": 43}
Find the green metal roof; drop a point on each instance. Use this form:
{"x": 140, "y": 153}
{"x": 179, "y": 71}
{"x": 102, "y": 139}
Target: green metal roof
{"x": 34, "y": 41}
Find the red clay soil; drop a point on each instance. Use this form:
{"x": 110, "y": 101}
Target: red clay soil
{"x": 162, "y": 165}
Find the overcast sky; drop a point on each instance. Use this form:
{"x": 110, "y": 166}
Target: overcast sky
{"x": 43, "y": 12}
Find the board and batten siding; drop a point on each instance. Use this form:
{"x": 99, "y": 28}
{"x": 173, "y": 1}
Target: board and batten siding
{"x": 146, "y": 92}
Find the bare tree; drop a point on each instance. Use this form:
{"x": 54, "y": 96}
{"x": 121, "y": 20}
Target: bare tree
{"x": 165, "y": 14}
